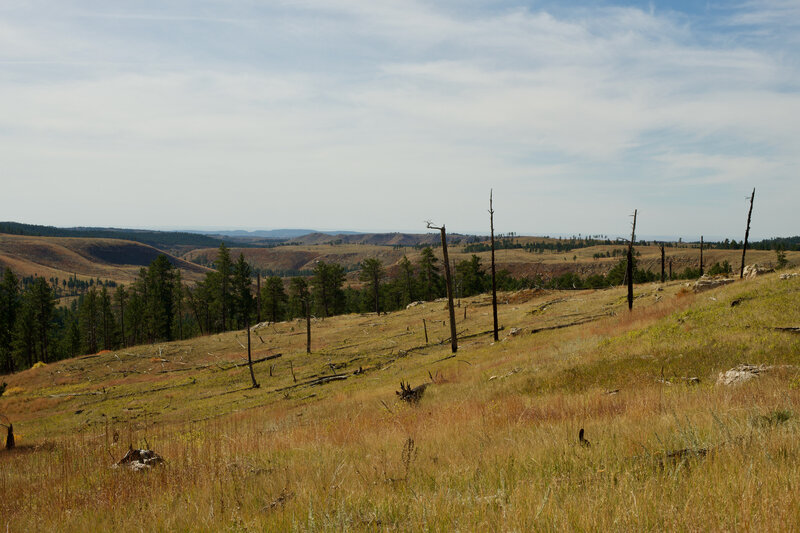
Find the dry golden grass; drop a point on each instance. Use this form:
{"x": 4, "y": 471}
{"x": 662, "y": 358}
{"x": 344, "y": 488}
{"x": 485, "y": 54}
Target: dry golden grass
{"x": 65, "y": 257}
{"x": 491, "y": 447}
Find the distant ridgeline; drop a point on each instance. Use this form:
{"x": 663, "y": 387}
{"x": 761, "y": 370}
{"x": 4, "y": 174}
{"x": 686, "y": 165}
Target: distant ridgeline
{"x": 151, "y": 237}
{"x": 566, "y": 245}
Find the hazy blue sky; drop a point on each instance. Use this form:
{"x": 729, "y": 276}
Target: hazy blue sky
{"x": 377, "y": 115}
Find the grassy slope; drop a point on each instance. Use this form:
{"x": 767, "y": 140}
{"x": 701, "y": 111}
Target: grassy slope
{"x": 108, "y": 259}
{"x": 492, "y": 446}
{"x": 518, "y": 262}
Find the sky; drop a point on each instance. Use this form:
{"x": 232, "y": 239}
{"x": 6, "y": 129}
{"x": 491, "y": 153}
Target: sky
{"x": 376, "y": 115}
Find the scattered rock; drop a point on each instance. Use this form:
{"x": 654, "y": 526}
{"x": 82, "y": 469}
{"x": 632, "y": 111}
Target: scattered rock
{"x": 138, "y": 460}
{"x": 752, "y": 271}
{"x": 514, "y": 332}
{"x": 740, "y": 374}
{"x": 511, "y": 373}
{"x": 705, "y": 283}
{"x": 789, "y": 276}
{"x": 414, "y": 304}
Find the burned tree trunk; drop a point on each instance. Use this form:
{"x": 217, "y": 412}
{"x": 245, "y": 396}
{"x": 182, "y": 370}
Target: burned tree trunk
{"x": 411, "y": 395}
{"x": 258, "y": 296}
{"x": 630, "y": 263}
{"x": 249, "y": 356}
{"x": 449, "y": 282}
{"x": 701, "y": 255}
{"x": 494, "y": 281}
{"x": 308, "y": 326}
{"x": 662, "y": 263}
{"x": 6, "y": 423}
{"x": 747, "y": 232}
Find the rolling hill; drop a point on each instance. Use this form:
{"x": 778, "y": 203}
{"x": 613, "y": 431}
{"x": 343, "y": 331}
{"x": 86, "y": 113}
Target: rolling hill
{"x": 63, "y": 257}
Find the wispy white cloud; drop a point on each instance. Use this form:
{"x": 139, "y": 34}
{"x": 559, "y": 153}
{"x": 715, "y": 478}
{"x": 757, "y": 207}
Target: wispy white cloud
{"x": 365, "y": 114}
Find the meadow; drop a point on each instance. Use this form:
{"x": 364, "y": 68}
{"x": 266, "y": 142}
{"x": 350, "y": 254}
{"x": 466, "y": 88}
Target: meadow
{"x": 325, "y": 445}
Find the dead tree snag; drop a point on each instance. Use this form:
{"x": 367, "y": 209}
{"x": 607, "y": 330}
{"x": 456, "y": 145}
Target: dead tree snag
{"x": 494, "y": 281}
{"x": 449, "y": 281}
{"x": 747, "y": 232}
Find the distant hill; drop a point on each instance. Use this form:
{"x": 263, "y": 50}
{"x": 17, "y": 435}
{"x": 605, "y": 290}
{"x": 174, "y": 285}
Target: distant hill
{"x": 160, "y": 239}
{"x": 280, "y": 234}
{"x": 382, "y": 239}
{"x": 62, "y": 257}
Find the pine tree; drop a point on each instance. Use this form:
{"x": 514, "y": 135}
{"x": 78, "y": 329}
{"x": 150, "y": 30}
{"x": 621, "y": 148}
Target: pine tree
{"x": 89, "y": 318}
{"x": 327, "y": 284}
{"x": 407, "y": 274}
{"x": 300, "y": 296}
{"x": 430, "y": 280}
{"x": 224, "y": 277}
{"x": 120, "y": 298}
{"x": 9, "y": 306}
{"x": 44, "y": 304}
{"x": 372, "y": 271}
{"x": 274, "y": 299}
{"x": 242, "y": 296}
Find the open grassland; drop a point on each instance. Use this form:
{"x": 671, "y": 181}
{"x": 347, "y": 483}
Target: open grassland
{"x": 492, "y": 445}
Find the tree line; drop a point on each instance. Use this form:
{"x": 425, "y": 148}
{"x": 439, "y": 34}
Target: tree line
{"x": 159, "y": 307}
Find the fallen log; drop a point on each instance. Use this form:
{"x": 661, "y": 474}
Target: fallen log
{"x": 570, "y": 324}
{"x": 316, "y": 381}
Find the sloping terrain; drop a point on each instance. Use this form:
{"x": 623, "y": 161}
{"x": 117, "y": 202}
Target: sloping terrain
{"x": 325, "y": 444}
{"x": 519, "y": 262}
{"x": 63, "y": 257}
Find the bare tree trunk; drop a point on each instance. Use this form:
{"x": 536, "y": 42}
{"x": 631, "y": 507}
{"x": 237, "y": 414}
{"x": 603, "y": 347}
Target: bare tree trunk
{"x": 376, "y": 289}
{"x": 747, "y": 232}
{"x": 425, "y": 327}
{"x": 258, "y": 296}
{"x": 10, "y": 437}
{"x": 630, "y": 263}
{"x": 308, "y": 327}
{"x": 662, "y": 263}
{"x": 249, "y": 356}
{"x": 122, "y": 320}
{"x": 453, "y": 339}
{"x": 449, "y": 281}
{"x": 670, "y": 269}
{"x": 494, "y": 281}
{"x": 701, "y": 255}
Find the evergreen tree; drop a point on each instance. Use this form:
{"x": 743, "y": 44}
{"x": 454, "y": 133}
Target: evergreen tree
{"x": 224, "y": 280}
{"x": 407, "y": 277}
{"x": 242, "y": 295}
{"x": 300, "y": 297}
{"x": 120, "y": 299}
{"x": 430, "y": 280}
{"x": 274, "y": 299}
{"x": 89, "y": 319}
{"x": 106, "y": 318}
{"x": 44, "y": 304}
{"x": 372, "y": 272}
{"x": 24, "y": 335}
{"x": 472, "y": 276}
{"x": 160, "y": 298}
{"x": 9, "y": 306}
{"x": 327, "y": 284}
